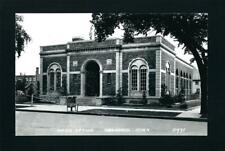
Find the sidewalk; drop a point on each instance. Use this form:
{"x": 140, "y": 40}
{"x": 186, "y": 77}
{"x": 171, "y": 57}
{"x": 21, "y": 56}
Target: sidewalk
{"x": 192, "y": 113}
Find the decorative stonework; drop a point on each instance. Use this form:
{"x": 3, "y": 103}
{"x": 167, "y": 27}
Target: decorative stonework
{"x": 109, "y": 61}
{"x": 75, "y": 63}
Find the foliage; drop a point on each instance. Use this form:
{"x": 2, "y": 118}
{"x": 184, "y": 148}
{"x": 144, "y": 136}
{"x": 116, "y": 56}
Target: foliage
{"x": 30, "y": 89}
{"x": 21, "y": 36}
{"x": 180, "y": 97}
{"x": 190, "y": 30}
{"x": 20, "y": 84}
{"x": 183, "y": 105}
{"x": 63, "y": 90}
{"x": 166, "y": 100}
{"x": 109, "y": 101}
{"x": 163, "y": 89}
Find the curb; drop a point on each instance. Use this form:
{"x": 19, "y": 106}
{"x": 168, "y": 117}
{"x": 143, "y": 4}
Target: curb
{"x": 120, "y": 115}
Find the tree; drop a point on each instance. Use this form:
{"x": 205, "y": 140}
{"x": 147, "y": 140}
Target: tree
{"x": 21, "y": 37}
{"x": 190, "y": 30}
{"x": 20, "y": 84}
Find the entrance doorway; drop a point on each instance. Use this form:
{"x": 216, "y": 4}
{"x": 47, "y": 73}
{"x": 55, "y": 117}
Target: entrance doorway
{"x": 92, "y": 79}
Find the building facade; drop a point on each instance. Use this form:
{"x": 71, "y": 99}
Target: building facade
{"x": 29, "y": 80}
{"x": 100, "y": 69}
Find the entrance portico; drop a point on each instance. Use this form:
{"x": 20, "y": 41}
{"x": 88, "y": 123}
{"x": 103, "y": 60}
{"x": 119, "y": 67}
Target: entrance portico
{"x": 91, "y": 78}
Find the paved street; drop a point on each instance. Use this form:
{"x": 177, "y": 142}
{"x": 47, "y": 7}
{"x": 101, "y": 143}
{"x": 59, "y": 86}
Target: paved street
{"x": 37, "y": 123}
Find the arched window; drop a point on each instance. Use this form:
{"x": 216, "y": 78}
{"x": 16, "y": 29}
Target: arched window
{"x": 51, "y": 79}
{"x": 134, "y": 77}
{"x": 138, "y": 75}
{"x": 54, "y": 77}
{"x": 58, "y": 78}
{"x": 143, "y": 77}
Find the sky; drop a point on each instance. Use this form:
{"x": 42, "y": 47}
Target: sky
{"x": 50, "y": 29}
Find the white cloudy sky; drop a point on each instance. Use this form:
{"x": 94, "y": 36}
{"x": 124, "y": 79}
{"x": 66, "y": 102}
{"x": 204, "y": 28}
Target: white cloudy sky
{"x": 49, "y": 29}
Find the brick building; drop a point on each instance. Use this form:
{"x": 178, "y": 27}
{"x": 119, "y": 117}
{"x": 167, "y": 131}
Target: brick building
{"x": 88, "y": 68}
{"x": 29, "y": 80}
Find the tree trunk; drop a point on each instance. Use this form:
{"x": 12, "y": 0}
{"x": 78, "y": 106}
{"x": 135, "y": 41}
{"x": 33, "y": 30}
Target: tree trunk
{"x": 204, "y": 92}
{"x": 202, "y": 67}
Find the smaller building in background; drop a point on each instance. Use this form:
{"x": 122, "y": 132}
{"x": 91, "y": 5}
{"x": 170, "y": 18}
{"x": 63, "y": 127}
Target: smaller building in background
{"x": 196, "y": 82}
{"x": 23, "y": 82}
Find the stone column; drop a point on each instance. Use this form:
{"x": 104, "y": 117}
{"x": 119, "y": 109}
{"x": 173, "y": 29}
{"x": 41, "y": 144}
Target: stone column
{"x": 121, "y": 68}
{"x": 41, "y": 76}
{"x": 117, "y": 70}
{"x": 158, "y": 73}
{"x": 174, "y": 81}
{"x": 100, "y": 83}
{"x": 68, "y": 75}
{"x": 82, "y": 83}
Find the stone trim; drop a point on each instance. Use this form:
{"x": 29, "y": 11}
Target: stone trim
{"x": 109, "y": 71}
{"x": 53, "y": 55}
{"x": 158, "y": 73}
{"x": 183, "y": 62}
{"x": 41, "y": 76}
{"x": 172, "y": 54}
{"x": 74, "y": 72}
{"x": 68, "y": 75}
{"x": 138, "y": 49}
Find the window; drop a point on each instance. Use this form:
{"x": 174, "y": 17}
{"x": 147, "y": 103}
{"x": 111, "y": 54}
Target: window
{"x": 143, "y": 71}
{"x": 134, "y": 70}
{"x": 138, "y": 75}
{"x": 58, "y": 79}
{"x": 54, "y": 77}
{"x": 51, "y": 76}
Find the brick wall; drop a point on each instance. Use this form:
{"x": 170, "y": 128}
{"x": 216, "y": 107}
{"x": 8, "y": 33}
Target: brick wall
{"x": 172, "y": 84}
{"x": 102, "y": 57}
{"x": 152, "y": 83}
{"x": 49, "y": 60}
{"x": 75, "y": 84}
{"x": 109, "y": 88}
{"x": 149, "y": 56}
{"x": 125, "y": 84}
{"x": 64, "y": 81}
{"x": 54, "y": 47}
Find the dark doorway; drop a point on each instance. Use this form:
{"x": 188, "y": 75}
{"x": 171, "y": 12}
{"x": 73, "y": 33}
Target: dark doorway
{"x": 92, "y": 79}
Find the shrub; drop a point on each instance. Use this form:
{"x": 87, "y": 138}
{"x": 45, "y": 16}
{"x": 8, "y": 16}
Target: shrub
{"x": 31, "y": 89}
{"x": 109, "y": 101}
{"x": 166, "y": 100}
{"x": 62, "y": 91}
{"x": 163, "y": 90}
{"x": 183, "y": 105}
